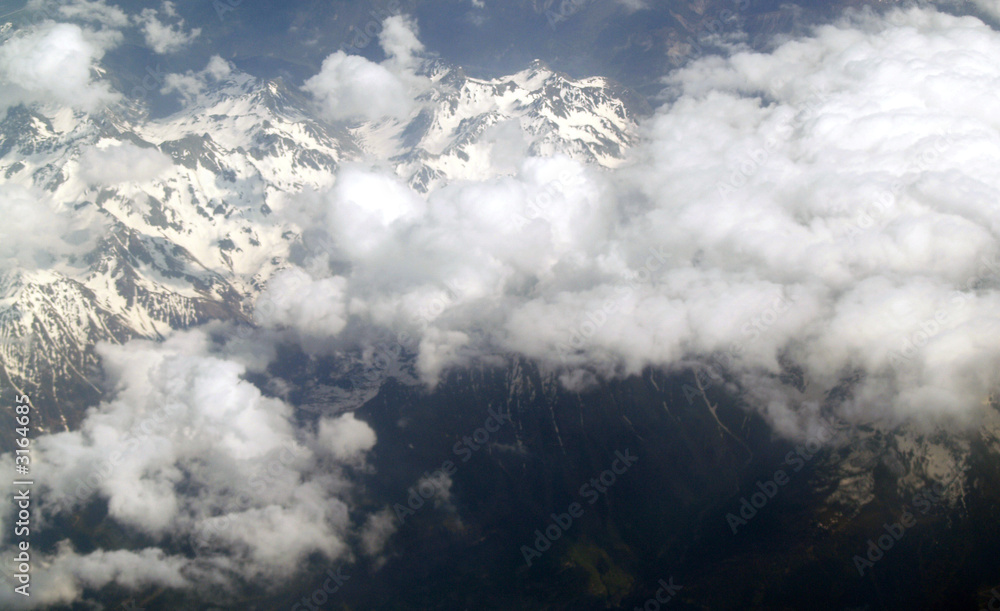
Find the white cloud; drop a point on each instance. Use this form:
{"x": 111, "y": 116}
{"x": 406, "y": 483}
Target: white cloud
{"x": 780, "y": 200}
{"x": 344, "y": 437}
{"x": 634, "y": 5}
{"x": 439, "y": 349}
{"x": 125, "y": 162}
{"x": 94, "y": 11}
{"x": 315, "y": 308}
{"x": 52, "y": 64}
{"x": 218, "y": 68}
{"x": 350, "y": 87}
{"x": 66, "y": 574}
{"x": 440, "y": 483}
{"x": 188, "y": 451}
{"x": 399, "y": 41}
{"x": 364, "y": 206}
{"x": 831, "y": 205}
{"x": 30, "y": 233}
{"x": 191, "y": 84}
{"x": 377, "y": 531}
{"x": 40, "y": 231}
{"x": 161, "y": 37}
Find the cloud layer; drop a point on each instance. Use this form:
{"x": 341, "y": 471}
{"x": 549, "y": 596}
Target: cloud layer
{"x": 126, "y": 162}
{"x": 350, "y": 87}
{"x": 162, "y": 37}
{"x": 829, "y": 207}
{"x": 51, "y": 64}
{"x": 30, "y": 237}
{"x": 826, "y": 211}
{"x": 192, "y": 456}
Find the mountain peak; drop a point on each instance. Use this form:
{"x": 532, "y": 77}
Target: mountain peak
{"x": 192, "y": 242}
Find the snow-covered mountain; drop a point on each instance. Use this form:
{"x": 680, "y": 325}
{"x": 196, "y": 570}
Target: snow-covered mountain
{"x": 174, "y": 221}
{"x": 187, "y": 235}
{"x": 456, "y": 135}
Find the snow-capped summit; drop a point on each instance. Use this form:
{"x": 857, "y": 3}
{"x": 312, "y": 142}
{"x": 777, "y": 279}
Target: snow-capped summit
{"x": 466, "y": 125}
{"x": 178, "y": 210}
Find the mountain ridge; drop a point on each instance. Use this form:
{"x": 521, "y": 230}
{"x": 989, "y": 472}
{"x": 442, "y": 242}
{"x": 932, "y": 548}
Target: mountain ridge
{"x": 196, "y": 240}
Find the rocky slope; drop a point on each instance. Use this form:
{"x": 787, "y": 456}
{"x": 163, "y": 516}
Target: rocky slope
{"x": 198, "y": 240}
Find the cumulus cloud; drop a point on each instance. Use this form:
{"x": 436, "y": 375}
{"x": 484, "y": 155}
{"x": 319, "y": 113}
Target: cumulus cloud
{"x": 782, "y": 209}
{"x": 399, "y": 41}
{"x": 40, "y": 231}
{"x": 344, "y": 438}
{"x": 52, "y": 64}
{"x": 816, "y": 227}
{"x": 634, "y": 5}
{"x": 30, "y": 234}
{"x": 364, "y": 206}
{"x": 218, "y": 68}
{"x": 314, "y": 308}
{"x": 68, "y": 573}
{"x": 188, "y": 453}
{"x": 125, "y": 162}
{"x": 161, "y": 37}
{"x": 95, "y": 11}
{"x": 377, "y": 531}
{"x": 441, "y": 482}
{"x": 350, "y": 87}
{"x": 192, "y": 83}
